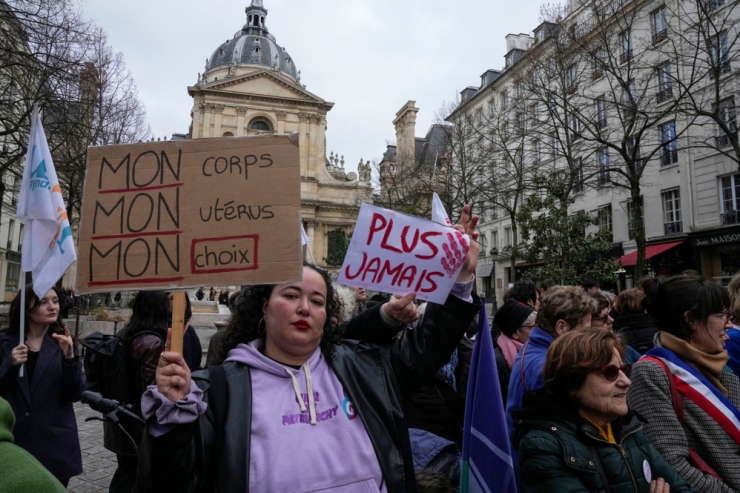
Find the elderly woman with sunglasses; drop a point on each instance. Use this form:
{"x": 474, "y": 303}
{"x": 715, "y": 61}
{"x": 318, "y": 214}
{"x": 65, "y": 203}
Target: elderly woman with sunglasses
{"x": 577, "y": 435}
{"x": 690, "y": 402}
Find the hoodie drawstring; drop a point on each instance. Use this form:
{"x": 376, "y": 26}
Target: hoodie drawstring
{"x": 296, "y": 390}
{"x": 309, "y": 384}
{"x": 309, "y": 387}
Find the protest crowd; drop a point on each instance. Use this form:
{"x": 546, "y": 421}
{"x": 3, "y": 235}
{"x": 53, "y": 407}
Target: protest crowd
{"x": 633, "y": 392}
{"x": 314, "y": 386}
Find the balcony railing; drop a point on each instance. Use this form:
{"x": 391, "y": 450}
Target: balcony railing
{"x": 604, "y": 178}
{"x": 10, "y": 244}
{"x": 730, "y": 217}
{"x": 670, "y": 156}
{"x": 660, "y": 36}
{"x": 601, "y": 122}
{"x": 674, "y": 227}
{"x": 626, "y": 55}
{"x": 664, "y": 95}
{"x": 713, "y": 4}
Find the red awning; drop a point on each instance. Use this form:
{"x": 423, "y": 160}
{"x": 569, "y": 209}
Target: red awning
{"x": 651, "y": 251}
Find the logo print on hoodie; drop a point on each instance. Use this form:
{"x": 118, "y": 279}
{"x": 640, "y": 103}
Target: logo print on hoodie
{"x": 349, "y": 409}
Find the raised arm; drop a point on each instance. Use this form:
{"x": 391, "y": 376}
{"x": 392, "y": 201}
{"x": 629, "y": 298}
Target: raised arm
{"x": 417, "y": 354}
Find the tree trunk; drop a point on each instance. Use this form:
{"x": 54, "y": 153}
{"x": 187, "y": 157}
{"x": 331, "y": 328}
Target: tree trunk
{"x": 638, "y": 226}
{"x": 513, "y": 247}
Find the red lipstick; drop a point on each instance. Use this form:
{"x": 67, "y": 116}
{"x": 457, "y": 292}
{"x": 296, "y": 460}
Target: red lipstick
{"x": 302, "y": 325}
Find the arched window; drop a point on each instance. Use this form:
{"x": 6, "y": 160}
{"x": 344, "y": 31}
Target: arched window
{"x": 227, "y": 134}
{"x": 260, "y": 125}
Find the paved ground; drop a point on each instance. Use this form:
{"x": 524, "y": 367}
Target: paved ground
{"x": 98, "y": 464}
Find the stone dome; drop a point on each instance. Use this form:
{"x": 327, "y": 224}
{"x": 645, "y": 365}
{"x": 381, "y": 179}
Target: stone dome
{"x": 253, "y": 45}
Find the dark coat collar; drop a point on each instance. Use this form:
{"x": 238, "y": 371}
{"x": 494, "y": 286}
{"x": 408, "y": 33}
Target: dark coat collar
{"x": 544, "y": 408}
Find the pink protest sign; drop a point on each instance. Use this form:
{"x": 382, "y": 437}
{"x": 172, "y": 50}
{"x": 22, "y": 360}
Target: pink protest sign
{"x": 399, "y": 254}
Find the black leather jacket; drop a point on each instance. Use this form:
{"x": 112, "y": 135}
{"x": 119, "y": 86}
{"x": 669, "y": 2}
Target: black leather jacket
{"x": 375, "y": 378}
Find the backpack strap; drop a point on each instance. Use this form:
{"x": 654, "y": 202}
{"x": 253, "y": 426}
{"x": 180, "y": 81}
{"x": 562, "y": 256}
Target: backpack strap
{"x": 693, "y": 458}
{"x": 676, "y": 397}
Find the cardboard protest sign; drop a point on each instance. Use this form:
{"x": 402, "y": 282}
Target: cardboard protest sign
{"x": 396, "y": 253}
{"x": 183, "y": 213}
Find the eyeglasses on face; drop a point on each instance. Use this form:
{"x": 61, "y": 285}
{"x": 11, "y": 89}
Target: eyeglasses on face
{"x": 611, "y": 372}
{"x": 724, "y": 314}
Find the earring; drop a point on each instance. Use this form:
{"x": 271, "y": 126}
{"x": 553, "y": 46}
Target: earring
{"x": 261, "y": 327}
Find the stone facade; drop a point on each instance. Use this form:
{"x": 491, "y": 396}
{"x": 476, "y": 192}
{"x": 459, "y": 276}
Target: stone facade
{"x": 246, "y": 96}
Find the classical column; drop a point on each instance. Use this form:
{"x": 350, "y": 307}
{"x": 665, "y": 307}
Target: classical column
{"x": 207, "y": 110}
{"x": 310, "y": 232}
{"x": 218, "y": 110}
{"x": 197, "y": 121}
{"x": 303, "y": 148}
{"x": 240, "y": 116}
{"x": 281, "y": 115}
{"x": 314, "y": 153}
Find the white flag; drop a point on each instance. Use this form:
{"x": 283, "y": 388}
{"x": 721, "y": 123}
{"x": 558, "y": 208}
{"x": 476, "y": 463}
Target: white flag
{"x": 48, "y": 247}
{"x": 304, "y": 236}
{"x": 439, "y": 215}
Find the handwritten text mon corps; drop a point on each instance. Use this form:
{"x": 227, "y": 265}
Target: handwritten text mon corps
{"x": 163, "y": 213}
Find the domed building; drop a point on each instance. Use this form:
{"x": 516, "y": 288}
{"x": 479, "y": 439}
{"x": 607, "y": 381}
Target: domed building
{"x": 251, "y": 86}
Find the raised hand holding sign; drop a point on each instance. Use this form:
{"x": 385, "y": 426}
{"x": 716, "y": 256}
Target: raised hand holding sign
{"x": 401, "y": 254}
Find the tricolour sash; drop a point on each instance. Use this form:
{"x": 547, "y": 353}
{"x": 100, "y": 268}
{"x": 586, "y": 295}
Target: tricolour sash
{"x": 694, "y": 386}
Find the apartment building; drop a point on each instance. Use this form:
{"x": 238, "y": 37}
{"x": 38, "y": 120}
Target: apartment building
{"x": 633, "y": 103}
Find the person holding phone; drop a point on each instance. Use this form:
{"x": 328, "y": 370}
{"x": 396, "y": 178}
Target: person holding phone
{"x": 42, "y": 398}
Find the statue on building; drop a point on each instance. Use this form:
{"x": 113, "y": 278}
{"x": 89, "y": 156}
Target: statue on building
{"x": 363, "y": 169}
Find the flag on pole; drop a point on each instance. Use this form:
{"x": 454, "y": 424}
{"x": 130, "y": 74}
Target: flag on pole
{"x": 488, "y": 464}
{"x": 439, "y": 215}
{"x": 48, "y": 247}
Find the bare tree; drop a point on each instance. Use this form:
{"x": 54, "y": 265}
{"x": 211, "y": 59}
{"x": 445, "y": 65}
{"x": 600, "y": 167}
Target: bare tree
{"x": 102, "y": 107}
{"x": 43, "y": 46}
{"x": 612, "y": 104}
{"x": 704, "y": 39}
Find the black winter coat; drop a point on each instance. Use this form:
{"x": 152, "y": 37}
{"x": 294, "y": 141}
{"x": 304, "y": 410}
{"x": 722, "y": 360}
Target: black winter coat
{"x": 638, "y": 330}
{"x": 45, "y": 420}
{"x": 504, "y": 373}
{"x": 375, "y": 378}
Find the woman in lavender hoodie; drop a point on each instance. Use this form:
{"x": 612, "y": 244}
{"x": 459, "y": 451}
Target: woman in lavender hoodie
{"x": 294, "y": 407}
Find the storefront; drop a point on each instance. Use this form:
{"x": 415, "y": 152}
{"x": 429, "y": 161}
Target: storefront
{"x": 661, "y": 259}
{"x": 717, "y": 253}
{"x": 484, "y": 273}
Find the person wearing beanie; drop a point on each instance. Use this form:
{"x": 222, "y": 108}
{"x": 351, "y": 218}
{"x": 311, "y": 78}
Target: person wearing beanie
{"x": 591, "y": 286}
{"x": 514, "y": 320}
{"x": 20, "y": 471}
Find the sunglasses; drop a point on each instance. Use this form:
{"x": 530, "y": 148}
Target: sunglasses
{"x": 611, "y": 372}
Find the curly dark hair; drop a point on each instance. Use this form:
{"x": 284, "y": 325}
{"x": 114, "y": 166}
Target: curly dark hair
{"x": 31, "y": 306}
{"x": 244, "y": 322}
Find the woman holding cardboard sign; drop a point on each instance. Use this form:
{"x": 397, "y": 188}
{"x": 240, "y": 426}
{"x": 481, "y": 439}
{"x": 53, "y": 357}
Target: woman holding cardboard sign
{"x": 304, "y": 409}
